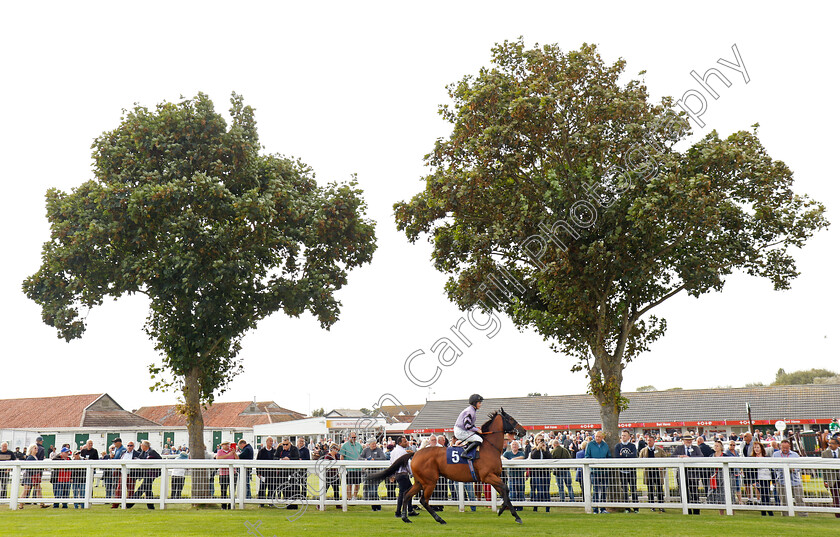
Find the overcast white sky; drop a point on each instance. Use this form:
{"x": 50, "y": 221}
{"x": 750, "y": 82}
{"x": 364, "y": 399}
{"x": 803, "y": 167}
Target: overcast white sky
{"x": 355, "y": 89}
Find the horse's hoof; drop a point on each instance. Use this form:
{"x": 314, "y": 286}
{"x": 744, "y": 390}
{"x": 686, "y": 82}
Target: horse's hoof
{"x": 519, "y": 521}
{"x": 442, "y": 521}
{"x": 407, "y": 521}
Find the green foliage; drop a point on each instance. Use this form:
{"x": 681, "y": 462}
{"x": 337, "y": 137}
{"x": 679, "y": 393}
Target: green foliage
{"x": 673, "y": 389}
{"x": 754, "y": 385}
{"x": 648, "y": 388}
{"x": 546, "y": 140}
{"x": 801, "y": 377}
{"x": 317, "y": 413}
{"x": 184, "y": 209}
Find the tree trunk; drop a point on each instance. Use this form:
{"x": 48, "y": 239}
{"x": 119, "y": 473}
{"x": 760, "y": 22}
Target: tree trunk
{"x": 609, "y": 423}
{"x": 195, "y": 430}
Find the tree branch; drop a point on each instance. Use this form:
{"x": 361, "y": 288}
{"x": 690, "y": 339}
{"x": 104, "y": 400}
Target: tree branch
{"x": 658, "y": 302}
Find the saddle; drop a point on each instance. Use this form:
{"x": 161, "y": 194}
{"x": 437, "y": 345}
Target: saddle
{"x": 454, "y": 456}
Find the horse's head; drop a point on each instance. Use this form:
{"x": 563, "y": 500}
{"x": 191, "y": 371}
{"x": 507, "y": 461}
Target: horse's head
{"x": 510, "y": 425}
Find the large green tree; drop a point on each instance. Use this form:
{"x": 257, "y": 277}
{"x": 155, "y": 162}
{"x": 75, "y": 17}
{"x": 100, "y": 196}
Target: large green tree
{"x": 560, "y": 200}
{"x": 185, "y": 210}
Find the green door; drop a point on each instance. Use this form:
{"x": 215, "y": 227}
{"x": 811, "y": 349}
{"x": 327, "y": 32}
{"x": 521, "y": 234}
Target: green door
{"x": 49, "y": 440}
{"x": 81, "y": 439}
{"x": 237, "y": 437}
{"x": 141, "y": 437}
{"x": 169, "y": 439}
{"x": 217, "y": 439}
{"x": 109, "y": 439}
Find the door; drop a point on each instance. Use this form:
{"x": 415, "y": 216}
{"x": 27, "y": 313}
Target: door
{"x": 141, "y": 437}
{"x": 109, "y": 439}
{"x": 217, "y": 439}
{"x": 49, "y": 440}
{"x": 169, "y": 439}
{"x": 81, "y": 439}
{"x": 237, "y": 437}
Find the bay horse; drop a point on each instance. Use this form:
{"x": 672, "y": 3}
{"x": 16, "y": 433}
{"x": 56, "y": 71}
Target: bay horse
{"x": 429, "y": 464}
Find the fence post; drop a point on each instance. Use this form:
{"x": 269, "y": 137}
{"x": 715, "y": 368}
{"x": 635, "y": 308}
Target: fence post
{"x": 322, "y": 487}
{"x": 164, "y": 486}
{"x": 493, "y": 498}
{"x": 241, "y": 483}
{"x": 88, "y": 486}
{"x": 460, "y": 496}
{"x": 786, "y": 473}
{"x": 343, "y": 473}
{"x": 124, "y": 487}
{"x": 14, "y": 494}
{"x": 683, "y": 488}
{"x": 587, "y": 488}
{"x": 728, "y": 488}
{"x": 233, "y": 483}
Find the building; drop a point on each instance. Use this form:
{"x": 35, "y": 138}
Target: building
{"x": 72, "y": 419}
{"x": 222, "y": 421}
{"x": 719, "y": 410}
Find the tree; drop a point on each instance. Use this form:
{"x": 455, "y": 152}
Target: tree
{"x": 318, "y": 413}
{"x": 647, "y": 388}
{"x": 754, "y": 385}
{"x": 560, "y": 201}
{"x": 186, "y": 211}
{"x": 808, "y": 376}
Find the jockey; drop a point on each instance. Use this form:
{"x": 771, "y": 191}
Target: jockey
{"x": 466, "y": 429}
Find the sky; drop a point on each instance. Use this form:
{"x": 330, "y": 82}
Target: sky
{"x": 354, "y": 88}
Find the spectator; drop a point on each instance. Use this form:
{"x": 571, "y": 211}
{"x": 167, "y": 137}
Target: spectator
{"x": 246, "y": 452}
{"x": 88, "y": 452}
{"x": 598, "y": 449}
{"x": 692, "y": 475}
{"x": 266, "y": 476}
{"x": 795, "y": 477}
{"x": 372, "y": 453}
{"x": 176, "y": 483}
{"x": 352, "y": 451}
{"x": 331, "y": 476}
{"x": 403, "y": 481}
{"x": 77, "y": 481}
{"x": 60, "y": 478}
{"x": 28, "y": 474}
{"x": 225, "y": 452}
{"x": 516, "y": 476}
{"x": 563, "y": 476}
{"x": 626, "y": 449}
{"x": 735, "y": 473}
{"x": 148, "y": 475}
{"x": 287, "y": 477}
{"x": 19, "y": 454}
{"x": 764, "y": 479}
{"x": 127, "y": 453}
{"x": 715, "y": 486}
{"x": 540, "y": 476}
{"x": 831, "y": 478}
{"x": 579, "y": 454}
{"x": 654, "y": 477}
{"x": 6, "y": 455}
{"x": 749, "y": 474}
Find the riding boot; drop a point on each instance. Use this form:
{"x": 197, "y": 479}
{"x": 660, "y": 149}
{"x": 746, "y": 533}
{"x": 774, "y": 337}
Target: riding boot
{"x": 469, "y": 451}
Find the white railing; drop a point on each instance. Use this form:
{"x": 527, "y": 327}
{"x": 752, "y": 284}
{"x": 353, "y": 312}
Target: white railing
{"x": 795, "y": 486}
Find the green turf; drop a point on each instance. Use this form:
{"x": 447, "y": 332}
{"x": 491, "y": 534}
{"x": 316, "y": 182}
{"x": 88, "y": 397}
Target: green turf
{"x": 357, "y": 521}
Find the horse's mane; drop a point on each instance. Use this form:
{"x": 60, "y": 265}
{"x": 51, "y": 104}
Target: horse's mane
{"x": 486, "y": 426}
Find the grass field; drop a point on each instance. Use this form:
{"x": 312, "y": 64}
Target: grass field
{"x": 361, "y": 521}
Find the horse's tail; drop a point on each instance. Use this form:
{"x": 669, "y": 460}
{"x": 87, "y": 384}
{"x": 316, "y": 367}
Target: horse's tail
{"x": 391, "y": 470}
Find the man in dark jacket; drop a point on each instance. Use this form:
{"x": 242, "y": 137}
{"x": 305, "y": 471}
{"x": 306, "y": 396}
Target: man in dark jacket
{"x": 626, "y": 449}
{"x": 267, "y": 476}
{"x": 692, "y": 475}
{"x": 563, "y": 476}
{"x": 287, "y": 477}
{"x": 246, "y": 452}
{"x": 148, "y": 475}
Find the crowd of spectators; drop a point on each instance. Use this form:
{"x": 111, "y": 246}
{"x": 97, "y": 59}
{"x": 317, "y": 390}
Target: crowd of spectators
{"x": 760, "y": 486}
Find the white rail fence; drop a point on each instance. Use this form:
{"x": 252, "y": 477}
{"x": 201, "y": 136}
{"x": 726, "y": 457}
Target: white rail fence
{"x": 790, "y": 486}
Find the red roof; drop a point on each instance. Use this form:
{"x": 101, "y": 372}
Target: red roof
{"x": 67, "y": 411}
{"x": 243, "y": 414}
